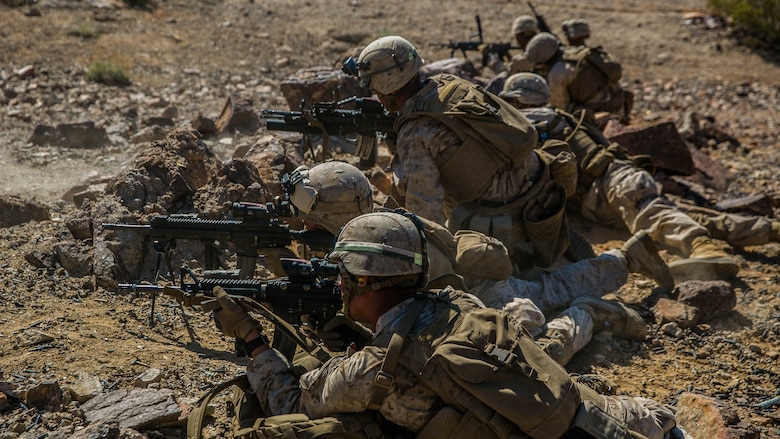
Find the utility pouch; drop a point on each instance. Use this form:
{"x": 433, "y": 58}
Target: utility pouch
{"x": 563, "y": 169}
{"x": 545, "y": 224}
{"x": 448, "y": 423}
{"x": 481, "y": 255}
{"x": 591, "y": 422}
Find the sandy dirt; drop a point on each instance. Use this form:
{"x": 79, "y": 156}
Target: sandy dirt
{"x": 194, "y": 54}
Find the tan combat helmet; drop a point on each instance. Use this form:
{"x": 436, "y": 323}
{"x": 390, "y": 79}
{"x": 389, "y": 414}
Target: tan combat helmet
{"x": 541, "y": 48}
{"x": 330, "y": 194}
{"x": 381, "y": 244}
{"x": 388, "y": 63}
{"x": 523, "y": 28}
{"x": 527, "y": 89}
{"x": 525, "y": 24}
{"x": 387, "y": 246}
{"x": 576, "y": 31}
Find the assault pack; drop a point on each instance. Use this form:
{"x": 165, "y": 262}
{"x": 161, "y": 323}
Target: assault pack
{"x": 493, "y": 132}
{"x": 495, "y": 381}
{"x": 596, "y": 69}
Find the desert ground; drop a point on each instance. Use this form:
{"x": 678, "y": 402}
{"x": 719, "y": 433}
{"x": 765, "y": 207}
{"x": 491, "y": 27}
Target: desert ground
{"x": 191, "y": 56}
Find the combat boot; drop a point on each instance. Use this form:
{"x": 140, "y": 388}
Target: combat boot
{"x": 621, "y": 321}
{"x": 557, "y": 345}
{"x": 643, "y": 258}
{"x": 706, "y": 262}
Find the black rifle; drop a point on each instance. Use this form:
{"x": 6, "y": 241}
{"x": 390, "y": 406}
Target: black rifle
{"x": 307, "y": 298}
{"x": 259, "y": 227}
{"x": 500, "y": 49}
{"x": 543, "y": 26}
{"x": 368, "y": 120}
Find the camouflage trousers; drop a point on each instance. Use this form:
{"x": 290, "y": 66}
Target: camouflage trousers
{"x": 528, "y": 301}
{"x": 629, "y": 195}
{"x": 737, "y": 230}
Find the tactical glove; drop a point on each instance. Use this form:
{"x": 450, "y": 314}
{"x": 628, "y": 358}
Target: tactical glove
{"x": 340, "y": 331}
{"x": 231, "y": 318}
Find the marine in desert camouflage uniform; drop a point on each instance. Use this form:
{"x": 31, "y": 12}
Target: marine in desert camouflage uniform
{"x": 331, "y": 194}
{"x": 613, "y": 190}
{"x": 576, "y": 31}
{"x": 575, "y": 81}
{"x": 381, "y": 257}
{"x": 523, "y": 28}
{"x": 486, "y": 176}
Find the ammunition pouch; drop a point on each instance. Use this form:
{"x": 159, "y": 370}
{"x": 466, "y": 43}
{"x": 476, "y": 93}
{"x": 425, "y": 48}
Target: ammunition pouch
{"x": 592, "y": 422}
{"x": 480, "y": 255}
{"x": 545, "y": 224}
{"x": 593, "y": 157}
{"x": 449, "y": 423}
{"x": 563, "y": 166}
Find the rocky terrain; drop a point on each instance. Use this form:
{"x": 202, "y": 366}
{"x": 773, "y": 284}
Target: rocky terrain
{"x": 76, "y": 354}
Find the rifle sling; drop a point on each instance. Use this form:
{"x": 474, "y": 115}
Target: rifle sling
{"x": 383, "y": 381}
{"x": 291, "y": 331}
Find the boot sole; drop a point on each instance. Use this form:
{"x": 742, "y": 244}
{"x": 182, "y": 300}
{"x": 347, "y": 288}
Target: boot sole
{"x": 704, "y": 269}
{"x": 666, "y": 282}
{"x": 635, "y": 331}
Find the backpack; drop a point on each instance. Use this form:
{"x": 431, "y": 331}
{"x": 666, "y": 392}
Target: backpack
{"x": 496, "y": 382}
{"x": 494, "y": 134}
{"x": 595, "y": 71}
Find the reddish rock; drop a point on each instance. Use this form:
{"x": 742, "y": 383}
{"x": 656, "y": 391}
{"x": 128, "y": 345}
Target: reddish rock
{"x": 238, "y": 114}
{"x": 707, "y": 417}
{"x": 712, "y": 298}
{"x": 15, "y": 210}
{"x": 661, "y": 142}
{"x": 668, "y": 310}
{"x": 320, "y": 84}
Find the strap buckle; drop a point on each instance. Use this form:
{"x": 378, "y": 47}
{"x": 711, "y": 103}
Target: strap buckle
{"x": 503, "y": 355}
{"x": 384, "y": 380}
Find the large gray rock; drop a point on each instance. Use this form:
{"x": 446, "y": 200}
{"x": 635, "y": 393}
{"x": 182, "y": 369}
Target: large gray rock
{"x": 15, "y": 210}
{"x": 138, "y": 409}
{"x": 75, "y": 258}
{"x": 85, "y": 388}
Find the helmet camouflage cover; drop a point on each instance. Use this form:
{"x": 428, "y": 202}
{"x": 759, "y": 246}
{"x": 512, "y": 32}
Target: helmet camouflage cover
{"x": 526, "y": 88}
{"x": 525, "y": 24}
{"x": 330, "y": 194}
{"x": 542, "y": 47}
{"x": 381, "y": 244}
{"x": 576, "y": 28}
{"x": 388, "y": 63}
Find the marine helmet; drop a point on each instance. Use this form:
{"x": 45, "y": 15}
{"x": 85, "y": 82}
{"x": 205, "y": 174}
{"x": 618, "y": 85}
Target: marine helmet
{"x": 388, "y": 63}
{"x": 329, "y": 194}
{"x": 541, "y": 48}
{"x": 525, "y": 25}
{"x": 385, "y": 245}
{"x": 576, "y": 28}
{"x": 526, "y": 88}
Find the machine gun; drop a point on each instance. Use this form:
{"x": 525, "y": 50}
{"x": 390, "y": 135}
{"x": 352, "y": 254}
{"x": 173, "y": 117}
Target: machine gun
{"x": 368, "y": 120}
{"x": 304, "y": 300}
{"x": 500, "y": 49}
{"x": 543, "y": 26}
{"x": 258, "y": 227}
